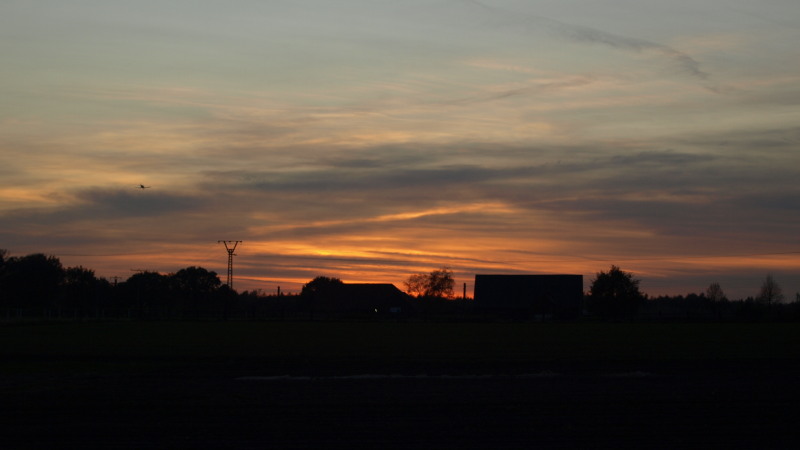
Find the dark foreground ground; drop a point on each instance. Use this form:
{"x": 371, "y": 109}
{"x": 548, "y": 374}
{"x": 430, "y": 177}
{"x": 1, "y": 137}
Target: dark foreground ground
{"x": 93, "y": 398}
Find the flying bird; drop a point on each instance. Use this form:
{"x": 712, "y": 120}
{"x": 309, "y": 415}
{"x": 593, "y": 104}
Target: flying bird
{"x": 141, "y": 186}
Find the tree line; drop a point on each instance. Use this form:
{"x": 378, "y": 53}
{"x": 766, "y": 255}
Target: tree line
{"x": 616, "y": 295}
{"x": 39, "y": 286}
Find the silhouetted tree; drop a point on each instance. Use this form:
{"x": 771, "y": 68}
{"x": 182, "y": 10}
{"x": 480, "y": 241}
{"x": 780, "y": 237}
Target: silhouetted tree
{"x": 31, "y": 281}
{"x": 146, "y": 292}
{"x": 195, "y": 286}
{"x": 438, "y": 283}
{"x": 227, "y": 300}
{"x": 441, "y": 283}
{"x": 196, "y": 281}
{"x": 79, "y": 289}
{"x": 315, "y": 291}
{"x": 106, "y": 298}
{"x": 770, "y": 291}
{"x": 716, "y": 297}
{"x": 5, "y": 294}
{"x": 714, "y": 293}
{"x": 614, "y": 294}
{"x": 319, "y": 284}
{"x": 417, "y": 284}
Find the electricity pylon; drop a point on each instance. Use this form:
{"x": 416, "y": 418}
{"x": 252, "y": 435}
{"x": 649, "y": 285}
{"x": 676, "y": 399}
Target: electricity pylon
{"x": 230, "y": 246}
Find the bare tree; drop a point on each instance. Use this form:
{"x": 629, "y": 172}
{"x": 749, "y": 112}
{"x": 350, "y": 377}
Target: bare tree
{"x": 438, "y": 283}
{"x": 770, "y": 291}
{"x": 714, "y": 293}
{"x": 416, "y": 284}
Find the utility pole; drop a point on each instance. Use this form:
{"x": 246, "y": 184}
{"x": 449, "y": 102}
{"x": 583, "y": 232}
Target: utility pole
{"x": 230, "y": 246}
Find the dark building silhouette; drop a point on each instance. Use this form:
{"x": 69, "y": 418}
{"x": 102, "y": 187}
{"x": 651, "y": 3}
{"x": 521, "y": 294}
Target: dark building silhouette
{"x": 521, "y": 296}
{"x": 361, "y": 299}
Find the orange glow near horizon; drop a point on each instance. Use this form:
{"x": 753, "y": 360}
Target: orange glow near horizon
{"x": 365, "y": 266}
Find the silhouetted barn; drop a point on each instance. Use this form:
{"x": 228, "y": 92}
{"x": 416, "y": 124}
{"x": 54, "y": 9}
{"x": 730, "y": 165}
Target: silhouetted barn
{"x": 361, "y": 299}
{"x": 559, "y": 296}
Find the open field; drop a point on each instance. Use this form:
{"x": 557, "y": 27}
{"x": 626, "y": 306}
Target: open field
{"x": 296, "y": 346}
{"x": 393, "y": 385}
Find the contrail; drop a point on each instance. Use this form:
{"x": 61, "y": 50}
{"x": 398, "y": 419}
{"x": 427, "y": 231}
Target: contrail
{"x": 582, "y": 34}
{"x": 592, "y": 36}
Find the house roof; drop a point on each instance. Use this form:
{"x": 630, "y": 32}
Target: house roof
{"x": 360, "y": 297}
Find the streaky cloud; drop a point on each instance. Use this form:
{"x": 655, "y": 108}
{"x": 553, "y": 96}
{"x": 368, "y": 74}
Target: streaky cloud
{"x": 525, "y": 90}
{"x": 135, "y": 203}
{"x": 660, "y": 158}
{"x": 386, "y": 178}
{"x": 99, "y": 204}
{"x": 745, "y": 141}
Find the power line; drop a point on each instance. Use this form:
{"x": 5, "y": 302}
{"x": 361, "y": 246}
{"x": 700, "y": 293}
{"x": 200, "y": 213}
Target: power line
{"x": 230, "y": 247}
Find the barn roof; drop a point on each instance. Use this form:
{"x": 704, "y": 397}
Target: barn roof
{"x": 557, "y": 294}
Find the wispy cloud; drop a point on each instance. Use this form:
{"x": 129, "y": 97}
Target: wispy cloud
{"x": 589, "y": 35}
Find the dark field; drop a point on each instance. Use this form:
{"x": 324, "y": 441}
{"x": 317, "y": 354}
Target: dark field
{"x": 399, "y": 385}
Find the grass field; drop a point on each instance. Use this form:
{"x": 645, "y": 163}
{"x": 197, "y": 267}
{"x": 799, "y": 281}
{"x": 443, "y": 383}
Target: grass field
{"x": 556, "y": 385}
{"x": 275, "y": 346}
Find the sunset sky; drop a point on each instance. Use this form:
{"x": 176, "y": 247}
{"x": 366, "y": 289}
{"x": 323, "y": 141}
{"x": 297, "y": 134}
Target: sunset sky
{"x": 372, "y": 139}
